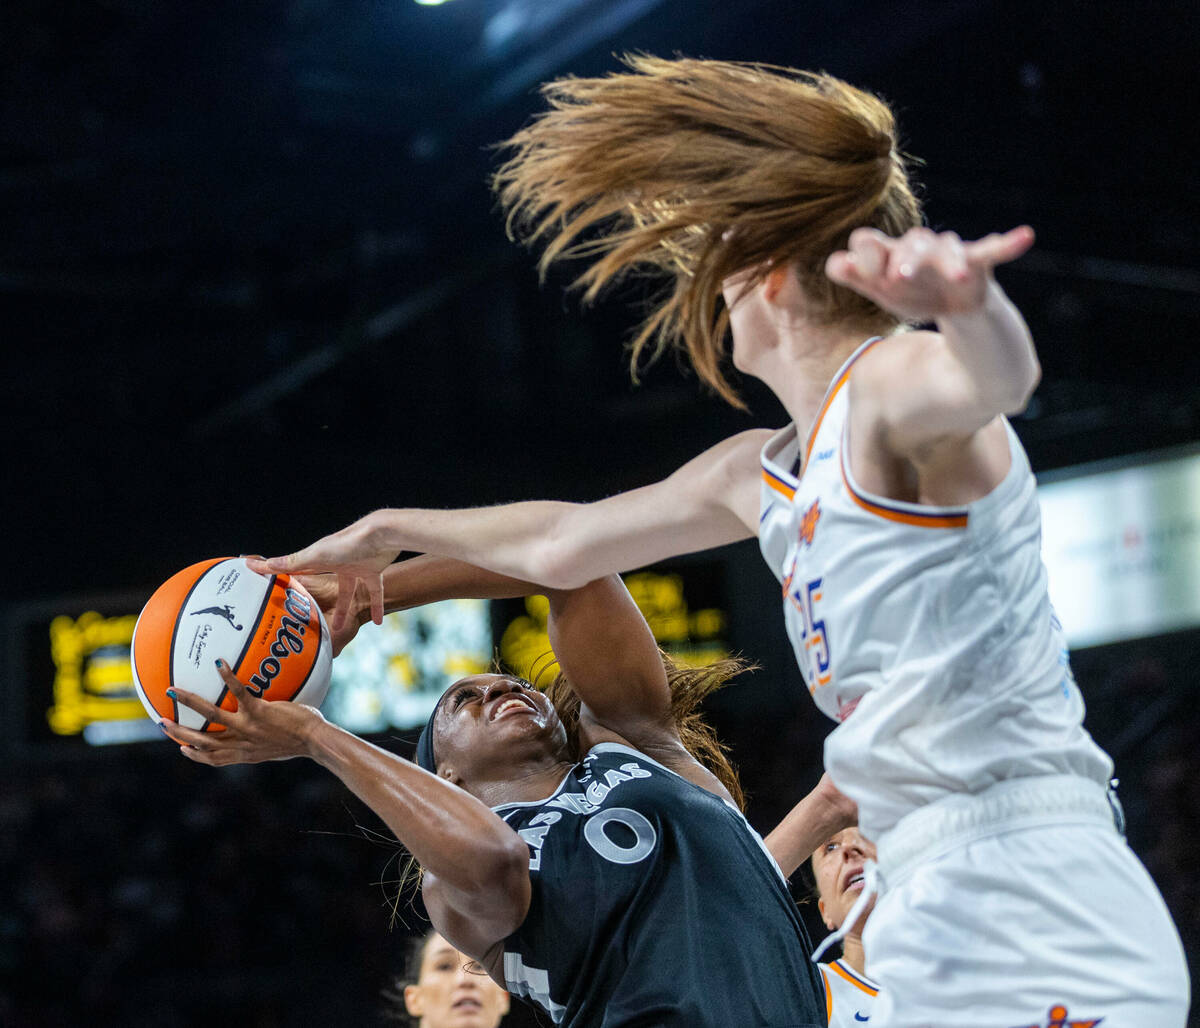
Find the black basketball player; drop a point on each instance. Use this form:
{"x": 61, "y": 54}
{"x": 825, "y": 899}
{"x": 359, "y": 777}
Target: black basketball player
{"x": 604, "y": 873}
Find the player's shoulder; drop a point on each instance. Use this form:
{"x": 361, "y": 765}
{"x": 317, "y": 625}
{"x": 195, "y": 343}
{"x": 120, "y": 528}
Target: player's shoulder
{"x": 738, "y": 456}
{"x": 896, "y": 358}
{"x": 728, "y": 465}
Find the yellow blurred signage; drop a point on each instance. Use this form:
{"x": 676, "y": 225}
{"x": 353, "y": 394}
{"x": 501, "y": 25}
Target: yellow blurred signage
{"x": 691, "y": 637}
{"x": 93, "y": 680}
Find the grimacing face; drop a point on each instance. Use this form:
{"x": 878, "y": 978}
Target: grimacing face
{"x": 838, "y": 869}
{"x": 491, "y": 720}
{"x": 452, "y": 991}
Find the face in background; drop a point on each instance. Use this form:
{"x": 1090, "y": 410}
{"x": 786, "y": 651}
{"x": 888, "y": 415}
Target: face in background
{"x": 452, "y": 991}
{"x": 838, "y": 869}
{"x": 486, "y": 724}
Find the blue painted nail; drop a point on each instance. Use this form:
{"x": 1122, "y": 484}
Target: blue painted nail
{"x": 217, "y": 662}
{"x": 171, "y": 693}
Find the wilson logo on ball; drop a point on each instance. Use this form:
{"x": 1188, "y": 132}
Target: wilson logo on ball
{"x": 289, "y": 639}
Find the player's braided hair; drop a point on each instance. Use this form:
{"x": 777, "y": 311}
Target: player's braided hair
{"x": 700, "y": 170}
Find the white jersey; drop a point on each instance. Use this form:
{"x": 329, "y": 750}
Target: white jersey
{"x": 849, "y": 996}
{"x": 927, "y": 632}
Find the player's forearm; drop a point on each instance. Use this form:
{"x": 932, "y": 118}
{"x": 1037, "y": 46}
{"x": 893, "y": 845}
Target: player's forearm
{"x": 996, "y": 349}
{"x": 820, "y": 815}
{"x": 561, "y": 545}
{"x": 431, "y": 577}
{"x": 446, "y": 829}
{"x": 514, "y": 540}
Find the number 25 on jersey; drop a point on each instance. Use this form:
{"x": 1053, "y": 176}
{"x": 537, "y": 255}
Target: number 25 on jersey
{"x": 816, "y": 640}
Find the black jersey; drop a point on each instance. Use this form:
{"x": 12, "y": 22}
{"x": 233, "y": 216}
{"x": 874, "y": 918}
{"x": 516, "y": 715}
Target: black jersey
{"x": 654, "y": 904}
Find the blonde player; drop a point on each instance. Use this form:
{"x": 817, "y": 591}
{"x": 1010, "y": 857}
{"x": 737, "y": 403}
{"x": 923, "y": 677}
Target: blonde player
{"x": 897, "y": 509}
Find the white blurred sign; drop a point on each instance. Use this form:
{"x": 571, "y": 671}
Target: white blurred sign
{"x": 1122, "y": 548}
{"x": 391, "y": 675}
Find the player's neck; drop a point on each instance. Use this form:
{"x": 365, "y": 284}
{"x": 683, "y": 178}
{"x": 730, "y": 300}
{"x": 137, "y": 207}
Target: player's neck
{"x": 526, "y": 783}
{"x": 800, "y": 371}
{"x": 852, "y": 953}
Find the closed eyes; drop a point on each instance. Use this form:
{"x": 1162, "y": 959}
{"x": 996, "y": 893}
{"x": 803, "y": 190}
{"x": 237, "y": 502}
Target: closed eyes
{"x": 460, "y": 697}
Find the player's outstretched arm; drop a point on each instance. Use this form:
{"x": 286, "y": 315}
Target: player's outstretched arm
{"x": 981, "y": 362}
{"x": 821, "y": 814}
{"x": 410, "y": 583}
{"x": 710, "y": 501}
{"x": 481, "y": 865}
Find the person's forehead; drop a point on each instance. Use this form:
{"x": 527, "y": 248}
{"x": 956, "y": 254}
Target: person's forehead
{"x": 440, "y": 948}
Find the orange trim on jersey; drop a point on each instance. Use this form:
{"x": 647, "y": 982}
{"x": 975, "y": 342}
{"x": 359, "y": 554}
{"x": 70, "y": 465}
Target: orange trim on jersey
{"x": 833, "y": 391}
{"x": 852, "y": 978}
{"x": 905, "y": 517}
{"x": 777, "y": 483}
{"x": 828, "y": 995}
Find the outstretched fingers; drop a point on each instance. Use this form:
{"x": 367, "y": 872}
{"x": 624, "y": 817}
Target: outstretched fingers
{"x": 999, "y": 247}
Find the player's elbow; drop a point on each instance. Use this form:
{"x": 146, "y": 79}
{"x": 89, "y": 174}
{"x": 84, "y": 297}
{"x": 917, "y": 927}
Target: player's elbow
{"x": 1020, "y": 388}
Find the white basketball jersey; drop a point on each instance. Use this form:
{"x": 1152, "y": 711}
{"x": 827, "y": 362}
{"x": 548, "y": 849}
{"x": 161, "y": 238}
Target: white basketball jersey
{"x": 927, "y": 632}
{"x": 849, "y": 995}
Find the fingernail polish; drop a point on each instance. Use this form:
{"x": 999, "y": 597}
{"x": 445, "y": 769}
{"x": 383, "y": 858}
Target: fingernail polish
{"x": 171, "y": 693}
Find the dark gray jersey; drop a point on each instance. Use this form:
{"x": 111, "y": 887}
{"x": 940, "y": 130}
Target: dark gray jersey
{"x": 654, "y": 904}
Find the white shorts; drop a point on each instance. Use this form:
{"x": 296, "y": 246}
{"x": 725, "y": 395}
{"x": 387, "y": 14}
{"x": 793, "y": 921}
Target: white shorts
{"x": 1021, "y": 907}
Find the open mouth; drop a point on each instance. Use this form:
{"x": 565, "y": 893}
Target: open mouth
{"x": 510, "y": 704}
{"x": 466, "y": 1003}
{"x": 854, "y": 881}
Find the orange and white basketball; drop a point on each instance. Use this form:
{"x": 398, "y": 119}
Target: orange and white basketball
{"x": 268, "y": 629}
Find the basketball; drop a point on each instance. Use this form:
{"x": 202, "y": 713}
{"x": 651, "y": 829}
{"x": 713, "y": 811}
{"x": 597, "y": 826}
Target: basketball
{"x": 268, "y": 629}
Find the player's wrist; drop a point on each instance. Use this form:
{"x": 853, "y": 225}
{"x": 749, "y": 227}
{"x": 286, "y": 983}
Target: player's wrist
{"x": 312, "y": 733}
{"x": 381, "y": 531}
{"x": 993, "y": 307}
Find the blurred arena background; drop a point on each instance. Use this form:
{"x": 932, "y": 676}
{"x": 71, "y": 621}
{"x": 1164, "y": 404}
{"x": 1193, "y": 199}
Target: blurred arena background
{"x": 253, "y": 285}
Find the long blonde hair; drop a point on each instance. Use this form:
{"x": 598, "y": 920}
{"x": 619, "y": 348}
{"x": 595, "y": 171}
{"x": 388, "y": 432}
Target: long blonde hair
{"x": 703, "y": 169}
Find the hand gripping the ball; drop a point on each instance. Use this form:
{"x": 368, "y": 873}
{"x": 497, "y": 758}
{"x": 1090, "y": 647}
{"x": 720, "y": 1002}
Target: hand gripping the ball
{"x": 256, "y": 731}
{"x": 355, "y": 554}
{"x": 924, "y": 275}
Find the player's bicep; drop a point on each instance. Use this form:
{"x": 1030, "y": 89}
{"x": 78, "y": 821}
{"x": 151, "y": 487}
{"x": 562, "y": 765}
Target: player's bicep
{"x": 724, "y": 480}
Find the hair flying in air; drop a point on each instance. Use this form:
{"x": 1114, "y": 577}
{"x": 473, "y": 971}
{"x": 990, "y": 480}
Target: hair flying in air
{"x": 700, "y": 170}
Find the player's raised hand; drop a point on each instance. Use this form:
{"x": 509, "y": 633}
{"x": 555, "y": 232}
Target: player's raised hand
{"x": 324, "y": 589}
{"x": 355, "y": 554}
{"x": 924, "y": 275}
{"x": 258, "y": 730}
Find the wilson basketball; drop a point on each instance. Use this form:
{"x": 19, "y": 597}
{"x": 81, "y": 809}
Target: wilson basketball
{"x": 268, "y": 629}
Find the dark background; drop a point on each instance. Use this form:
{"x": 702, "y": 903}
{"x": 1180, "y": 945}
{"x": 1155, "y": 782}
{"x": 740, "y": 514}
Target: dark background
{"x": 252, "y": 285}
